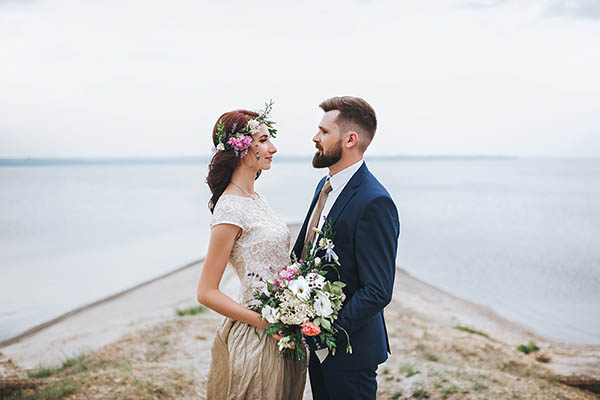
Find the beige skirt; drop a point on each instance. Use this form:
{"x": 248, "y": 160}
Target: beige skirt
{"x": 247, "y": 366}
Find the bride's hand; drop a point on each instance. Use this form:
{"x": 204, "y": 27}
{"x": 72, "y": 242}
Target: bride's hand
{"x": 277, "y": 336}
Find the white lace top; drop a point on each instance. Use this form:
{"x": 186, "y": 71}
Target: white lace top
{"x": 263, "y": 247}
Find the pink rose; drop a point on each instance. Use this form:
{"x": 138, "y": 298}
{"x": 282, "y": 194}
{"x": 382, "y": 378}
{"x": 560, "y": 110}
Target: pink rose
{"x": 310, "y": 329}
{"x": 288, "y": 273}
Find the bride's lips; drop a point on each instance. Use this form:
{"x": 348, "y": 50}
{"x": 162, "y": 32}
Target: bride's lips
{"x": 269, "y": 158}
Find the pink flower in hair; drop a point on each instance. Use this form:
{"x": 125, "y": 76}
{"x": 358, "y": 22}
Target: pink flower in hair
{"x": 240, "y": 143}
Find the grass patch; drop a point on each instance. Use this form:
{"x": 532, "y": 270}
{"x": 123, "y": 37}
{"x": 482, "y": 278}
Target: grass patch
{"x": 396, "y": 395}
{"x": 449, "y": 390}
{"x": 54, "y": 391}
{"x": 428, "y": 355}
{"x": 409, "y": 370}
{"x": 421, "y": 394}
{"x": 41, "y": 372}
{"x": 68, "y": 363}
{"x": 478, "y": 387}
{"x": 471, "y": 330}
{"x": 528, "y": 348}
{"x": 191, "y": 310}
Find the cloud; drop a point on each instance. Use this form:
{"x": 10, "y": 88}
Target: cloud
{"x": 586, "y": 9}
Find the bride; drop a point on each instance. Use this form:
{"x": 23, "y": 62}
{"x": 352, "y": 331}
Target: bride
{"x": 245, "y": 232}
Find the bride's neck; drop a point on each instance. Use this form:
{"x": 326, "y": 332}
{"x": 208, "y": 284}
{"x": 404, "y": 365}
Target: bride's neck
{"x": 244, "y": 177}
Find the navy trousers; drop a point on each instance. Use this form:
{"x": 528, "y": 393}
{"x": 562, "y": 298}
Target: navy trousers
{"x": 332, "y": 384}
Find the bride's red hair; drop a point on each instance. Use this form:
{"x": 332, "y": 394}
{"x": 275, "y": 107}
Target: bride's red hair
{"x": 223, "y": 163}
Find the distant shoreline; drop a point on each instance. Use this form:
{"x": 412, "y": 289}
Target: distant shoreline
{"x": 51, "y": 161}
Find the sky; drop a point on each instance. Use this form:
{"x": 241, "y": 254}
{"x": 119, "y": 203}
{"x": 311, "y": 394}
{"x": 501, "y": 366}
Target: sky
{"x": 140, "y": 78}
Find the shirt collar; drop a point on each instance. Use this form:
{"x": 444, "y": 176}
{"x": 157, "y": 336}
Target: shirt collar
{"x": 343, "y": 177}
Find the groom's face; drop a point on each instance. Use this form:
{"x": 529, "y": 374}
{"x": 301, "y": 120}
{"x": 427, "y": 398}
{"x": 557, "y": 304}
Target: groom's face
{"x": 328, "y": 141}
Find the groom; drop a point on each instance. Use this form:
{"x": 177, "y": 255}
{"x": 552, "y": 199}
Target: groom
{"x": 366, "y": 225}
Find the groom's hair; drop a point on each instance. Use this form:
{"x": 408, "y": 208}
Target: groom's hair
{"x": 355, "y": 115}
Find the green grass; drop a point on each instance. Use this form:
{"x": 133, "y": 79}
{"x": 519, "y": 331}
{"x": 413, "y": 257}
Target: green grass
{"x": 471, "y": 330}
{"x": 54, "y": 391}
{"x": 396, "y": 395}
{"x": 449, "y": 390}
{"x": 421, "y": 394}
{"x": 71, "y": 362}
{"x": 41, "y": 372}
{"x": 191, "y": 310}
{"x": 478, "y": 387}
{"x": 528, "y": 348}
{"x": 428, "y": 355}
{"x": 409, "y": 370}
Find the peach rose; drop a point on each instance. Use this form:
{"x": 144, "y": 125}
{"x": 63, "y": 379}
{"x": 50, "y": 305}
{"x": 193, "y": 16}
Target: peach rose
{"x": 310, "y": 329}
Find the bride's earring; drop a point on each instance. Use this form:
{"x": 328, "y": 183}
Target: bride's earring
{"x": 257, "y": 156}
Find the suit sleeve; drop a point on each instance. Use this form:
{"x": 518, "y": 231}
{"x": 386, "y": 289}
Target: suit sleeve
{"x": 376, "y": 245}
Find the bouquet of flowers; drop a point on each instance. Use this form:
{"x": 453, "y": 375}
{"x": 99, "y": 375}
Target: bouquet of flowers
{"x": 300, "y": 301}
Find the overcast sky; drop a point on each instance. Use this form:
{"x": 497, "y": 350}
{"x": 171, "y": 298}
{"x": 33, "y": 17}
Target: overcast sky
{"x": 150, "y": 78}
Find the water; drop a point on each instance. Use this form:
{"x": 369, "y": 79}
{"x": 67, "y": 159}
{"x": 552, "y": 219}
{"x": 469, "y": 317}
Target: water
{"x": 519, "y": 236}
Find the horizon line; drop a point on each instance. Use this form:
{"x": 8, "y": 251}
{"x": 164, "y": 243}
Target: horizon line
{"x": 23, "y": 161}
{"x": 132, "y": 160}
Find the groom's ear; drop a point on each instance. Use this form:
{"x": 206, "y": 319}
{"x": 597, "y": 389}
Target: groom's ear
{"x": 351, "y": 140}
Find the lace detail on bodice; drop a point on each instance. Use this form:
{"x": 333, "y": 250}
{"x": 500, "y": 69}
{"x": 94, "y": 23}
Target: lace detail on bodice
{"x": 263, "y": 247}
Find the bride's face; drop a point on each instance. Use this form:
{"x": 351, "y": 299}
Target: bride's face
{"x": 260, "y": 154}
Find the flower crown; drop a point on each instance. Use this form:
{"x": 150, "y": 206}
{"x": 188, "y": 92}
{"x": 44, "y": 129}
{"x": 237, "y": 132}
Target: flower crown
{"x": 240, "y": 141}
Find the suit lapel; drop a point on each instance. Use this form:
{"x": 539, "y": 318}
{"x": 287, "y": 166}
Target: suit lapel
{"x": 347, "y": 194}
{"x": 339, "y": 205}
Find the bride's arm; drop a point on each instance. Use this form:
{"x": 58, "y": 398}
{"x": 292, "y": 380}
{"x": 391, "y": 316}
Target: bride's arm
{"x": 222, "y": 239}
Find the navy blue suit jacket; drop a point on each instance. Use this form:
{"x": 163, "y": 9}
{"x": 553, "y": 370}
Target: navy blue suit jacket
{"x": 366, "y": 225}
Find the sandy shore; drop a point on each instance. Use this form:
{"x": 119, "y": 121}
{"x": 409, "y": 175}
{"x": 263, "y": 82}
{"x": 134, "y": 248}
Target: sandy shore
{"x": 421, "y": 320}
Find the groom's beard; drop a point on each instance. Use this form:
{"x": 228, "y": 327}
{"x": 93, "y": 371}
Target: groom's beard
{"x": 323, "y": 159}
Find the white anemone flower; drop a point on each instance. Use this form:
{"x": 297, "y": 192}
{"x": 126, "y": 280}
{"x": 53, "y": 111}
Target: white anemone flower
{"x": 270, "y": 314}
{"x": 317, "y": 261}
{"x": 300, "y": 288}
{"x": 316, "y": 280}
{"x": 264, "y": 288}
{"x": 295, "y": 266}
{"x": 221, "y": 146}
{"x": 323, "y": 305}
{"x": 285, "y": 343}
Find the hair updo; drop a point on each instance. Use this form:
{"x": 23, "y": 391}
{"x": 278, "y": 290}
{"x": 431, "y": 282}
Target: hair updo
{"x": 224, "y": 162}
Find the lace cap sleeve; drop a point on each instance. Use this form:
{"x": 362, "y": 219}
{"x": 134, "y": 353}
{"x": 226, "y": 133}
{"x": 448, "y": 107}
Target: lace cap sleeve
{"x": 228, "y": 211}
